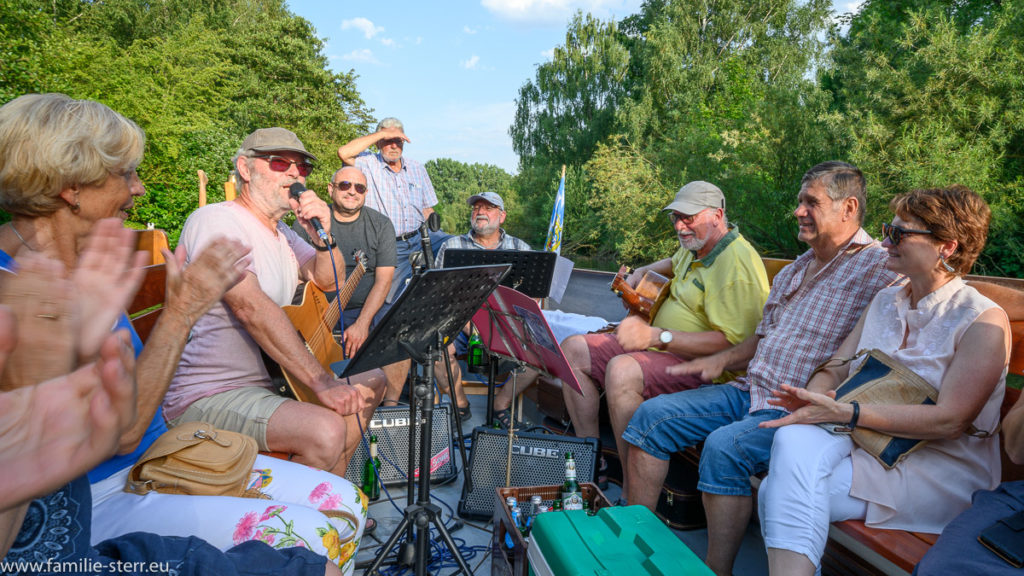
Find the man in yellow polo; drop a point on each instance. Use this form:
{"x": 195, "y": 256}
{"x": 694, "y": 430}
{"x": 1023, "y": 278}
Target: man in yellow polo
{"x": 718, "y": 289}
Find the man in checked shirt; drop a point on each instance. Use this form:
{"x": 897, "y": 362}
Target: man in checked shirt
{"x": 813, "y": 304}
{"x": 397, "y": 187}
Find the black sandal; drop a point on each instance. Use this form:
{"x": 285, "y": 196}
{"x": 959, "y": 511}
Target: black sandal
{"x": 503, "y": 418}
{"x": 465, "y": 413}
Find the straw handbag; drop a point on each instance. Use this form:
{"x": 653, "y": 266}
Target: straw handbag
{"x": 882, "y": 379}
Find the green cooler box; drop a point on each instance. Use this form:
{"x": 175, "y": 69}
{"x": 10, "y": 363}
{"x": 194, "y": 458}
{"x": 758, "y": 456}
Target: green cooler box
{"x": 626, "y": 541}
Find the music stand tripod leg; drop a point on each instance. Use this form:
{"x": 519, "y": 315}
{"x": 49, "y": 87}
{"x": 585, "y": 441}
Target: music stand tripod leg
{"x": 423, "y": 513}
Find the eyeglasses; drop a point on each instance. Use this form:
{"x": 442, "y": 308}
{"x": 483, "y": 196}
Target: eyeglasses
{"x": 344, "y": 185}
{"x": 391, "y": 142}
{"x": 281, "y": 164}
{"x": 674, "y": 218}
{"x": 895, "y": 234}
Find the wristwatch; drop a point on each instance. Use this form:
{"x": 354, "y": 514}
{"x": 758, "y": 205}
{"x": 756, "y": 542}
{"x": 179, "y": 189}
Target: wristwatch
{"x": 666, "y": 338}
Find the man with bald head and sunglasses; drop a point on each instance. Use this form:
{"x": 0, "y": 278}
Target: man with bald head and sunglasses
{"x": 397, "y": 187}
{"x": 221, "y": 378}
{"x": 355, "y": 226}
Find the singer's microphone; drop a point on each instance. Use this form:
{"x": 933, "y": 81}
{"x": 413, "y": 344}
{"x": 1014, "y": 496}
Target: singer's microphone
{"x": 295, "y": 191}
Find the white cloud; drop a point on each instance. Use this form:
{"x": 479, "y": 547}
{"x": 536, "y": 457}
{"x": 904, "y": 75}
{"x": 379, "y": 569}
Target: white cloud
{"x": 388, "y": 42}
{"x": 364, "y": 55}
{"x": 363, "y": 25}
{"x": 558, "y": 12}
{"x": 468, "y": 30}
{"x": 471, "y": 63}
{"x": 548, "y": 54}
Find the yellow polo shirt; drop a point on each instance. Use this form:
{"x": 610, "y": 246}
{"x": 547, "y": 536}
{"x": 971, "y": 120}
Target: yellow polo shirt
{"x": 725, "y": 291}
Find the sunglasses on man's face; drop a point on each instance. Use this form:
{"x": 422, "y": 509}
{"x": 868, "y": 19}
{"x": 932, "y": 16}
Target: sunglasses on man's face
{"x": 895, "y": 234}
{"x": 344, "y": 185}
{"x": 687, "y": 219}
{"x": 281, "y": 164}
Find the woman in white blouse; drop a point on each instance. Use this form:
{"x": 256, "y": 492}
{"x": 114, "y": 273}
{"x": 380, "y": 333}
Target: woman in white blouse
{"x": 943, "y": 330}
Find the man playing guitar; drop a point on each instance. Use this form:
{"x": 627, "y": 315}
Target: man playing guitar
{"x": 717, "y": 289}
{"x": 221, "y": 378}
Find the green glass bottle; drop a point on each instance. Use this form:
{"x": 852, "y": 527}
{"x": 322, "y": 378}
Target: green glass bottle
{"x": 371, "y": 485}
{"x": 572, "y": 498}
{"x": 475, "y": 360}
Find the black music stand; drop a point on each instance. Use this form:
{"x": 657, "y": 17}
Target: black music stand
{"x": 531, "y": 270}
{"x": 531, "y": 275}
{"x": 431, "y": 311}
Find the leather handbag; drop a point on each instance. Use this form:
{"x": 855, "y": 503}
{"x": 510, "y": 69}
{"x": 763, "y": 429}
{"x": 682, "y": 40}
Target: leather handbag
{"x": 882, "y": 379}
{"x": 196, "y": 458}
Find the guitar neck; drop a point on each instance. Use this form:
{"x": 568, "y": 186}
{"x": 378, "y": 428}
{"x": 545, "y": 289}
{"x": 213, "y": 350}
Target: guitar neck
{"x": 349, "y": 288}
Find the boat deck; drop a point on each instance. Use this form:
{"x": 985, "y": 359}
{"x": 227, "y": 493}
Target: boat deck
{"x": 588, "y": 292}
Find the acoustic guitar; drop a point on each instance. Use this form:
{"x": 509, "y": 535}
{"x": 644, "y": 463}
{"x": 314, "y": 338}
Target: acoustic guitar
{"x": 314, "y": 319}
{"x": 646, "y": 298}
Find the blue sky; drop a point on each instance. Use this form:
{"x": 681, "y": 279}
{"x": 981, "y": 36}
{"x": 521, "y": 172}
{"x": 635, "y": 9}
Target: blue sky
{"x": 450, "y": 70}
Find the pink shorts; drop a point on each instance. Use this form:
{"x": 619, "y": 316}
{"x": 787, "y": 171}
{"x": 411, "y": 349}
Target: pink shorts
{"x": 604, "y": 347}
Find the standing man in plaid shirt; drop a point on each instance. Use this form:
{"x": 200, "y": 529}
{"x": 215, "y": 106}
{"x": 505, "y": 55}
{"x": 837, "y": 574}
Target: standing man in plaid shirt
{"x": 399, "y": 188}
{"x": 813, "y": 304}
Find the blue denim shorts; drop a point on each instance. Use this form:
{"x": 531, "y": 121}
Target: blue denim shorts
{"x": 719, "y": 415}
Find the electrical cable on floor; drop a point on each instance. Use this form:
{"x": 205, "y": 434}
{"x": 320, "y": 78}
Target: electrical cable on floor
{"x": 440, "y": 557}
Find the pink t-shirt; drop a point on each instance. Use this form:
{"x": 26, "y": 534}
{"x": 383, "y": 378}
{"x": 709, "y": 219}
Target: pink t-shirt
{"x": 220, "y": 355}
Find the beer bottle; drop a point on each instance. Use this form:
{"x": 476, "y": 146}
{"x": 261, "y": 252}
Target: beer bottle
{"x": 371, "y": 485}
{"x": 475, "y": 360}
{"x": 572, "y": 499}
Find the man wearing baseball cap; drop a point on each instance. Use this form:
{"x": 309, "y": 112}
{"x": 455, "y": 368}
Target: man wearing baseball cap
{"x": 485, "y": 220}
{"x": 485, "y": 233}
{"x": 717, "y": 290}
{"x": 221, "y": 378}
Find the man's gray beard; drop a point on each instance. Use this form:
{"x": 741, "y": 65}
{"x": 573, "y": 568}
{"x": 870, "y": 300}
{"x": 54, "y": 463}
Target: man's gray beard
{"x": 485, "y": 230}
{"x": 693, "y": 244}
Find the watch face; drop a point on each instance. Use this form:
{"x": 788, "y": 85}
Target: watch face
{"x": 665, "y": 337}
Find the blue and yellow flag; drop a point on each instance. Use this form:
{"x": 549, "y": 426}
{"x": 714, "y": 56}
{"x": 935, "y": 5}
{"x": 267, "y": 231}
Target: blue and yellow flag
{"x": 554, "y": 241}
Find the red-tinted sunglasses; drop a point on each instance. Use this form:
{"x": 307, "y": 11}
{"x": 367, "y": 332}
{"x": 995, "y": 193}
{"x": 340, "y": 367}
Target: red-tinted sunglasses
{"x": 282, "y": 164}
{"x": 344, "y": 185}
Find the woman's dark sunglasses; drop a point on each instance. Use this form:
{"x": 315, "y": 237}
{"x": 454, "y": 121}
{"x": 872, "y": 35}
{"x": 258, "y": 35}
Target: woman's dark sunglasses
{"x": 281, "y": 164}
{"x": 895, "y": 234}
{"x": 344, "y": 185}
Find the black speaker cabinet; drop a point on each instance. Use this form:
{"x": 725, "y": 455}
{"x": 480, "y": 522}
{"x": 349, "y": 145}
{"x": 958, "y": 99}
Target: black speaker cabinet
{"x": 537, "y": 460}
{"x": 391, "y": 426}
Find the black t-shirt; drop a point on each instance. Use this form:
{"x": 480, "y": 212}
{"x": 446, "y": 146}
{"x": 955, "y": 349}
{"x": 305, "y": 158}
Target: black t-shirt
{"x": 373, "y": 233}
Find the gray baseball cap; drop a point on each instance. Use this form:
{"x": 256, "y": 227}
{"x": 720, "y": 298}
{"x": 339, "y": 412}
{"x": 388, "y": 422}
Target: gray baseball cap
{"x": 696, "y": 196}
{"x": 491, "y": 197}
{"x": 274, "y": 140}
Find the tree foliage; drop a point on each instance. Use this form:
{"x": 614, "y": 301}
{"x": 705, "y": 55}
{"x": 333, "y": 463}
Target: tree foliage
{"x": 196, "y": 76}
{"x": 751, "y": 94}
{"x": 454, "y": 182}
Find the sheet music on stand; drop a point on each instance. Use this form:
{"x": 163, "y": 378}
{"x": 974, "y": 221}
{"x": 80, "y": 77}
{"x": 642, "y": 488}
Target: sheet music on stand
{"x": 531, "y": 270}
{"x": 511, "y": 325}
{"x": 435, "y": 301}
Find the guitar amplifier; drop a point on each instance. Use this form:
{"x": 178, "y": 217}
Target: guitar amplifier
{"x": 537, "y": 460}
{"x": 391, "y": 426}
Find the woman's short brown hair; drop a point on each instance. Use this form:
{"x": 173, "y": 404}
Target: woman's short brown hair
{"x": 952, "y": 213}
{"x": 49, "y": 142}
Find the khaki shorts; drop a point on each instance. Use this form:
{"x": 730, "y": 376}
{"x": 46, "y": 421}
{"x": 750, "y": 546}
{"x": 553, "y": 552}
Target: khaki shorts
{"x": 246, "y": 410}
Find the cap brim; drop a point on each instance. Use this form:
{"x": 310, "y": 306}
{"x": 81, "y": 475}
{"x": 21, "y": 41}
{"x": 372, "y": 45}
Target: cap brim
{"x": 684, "y": 207}
{"x": 283, "y": 149}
